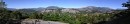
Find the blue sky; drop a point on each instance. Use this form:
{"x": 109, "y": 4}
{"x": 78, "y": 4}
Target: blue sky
{"x": 63, "y": 3}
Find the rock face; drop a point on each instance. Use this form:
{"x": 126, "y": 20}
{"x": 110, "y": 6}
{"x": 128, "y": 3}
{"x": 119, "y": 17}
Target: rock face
{"x": 48, "y": 11}
{"x": 37, "y": 21}
{"x": 70, "y": 11}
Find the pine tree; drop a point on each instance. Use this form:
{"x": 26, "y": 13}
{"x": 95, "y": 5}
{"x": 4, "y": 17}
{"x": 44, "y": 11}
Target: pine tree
{"x": 122, "y": 17}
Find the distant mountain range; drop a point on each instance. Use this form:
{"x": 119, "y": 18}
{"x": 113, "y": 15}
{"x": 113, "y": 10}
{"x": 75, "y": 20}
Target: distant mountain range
{"x": 88, "y": 9}
{"x": 11, "y": 9}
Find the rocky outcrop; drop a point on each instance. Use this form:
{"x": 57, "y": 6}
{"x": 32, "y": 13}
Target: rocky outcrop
{"x": 70, "y": 10}
{"x": 37, "y": 21}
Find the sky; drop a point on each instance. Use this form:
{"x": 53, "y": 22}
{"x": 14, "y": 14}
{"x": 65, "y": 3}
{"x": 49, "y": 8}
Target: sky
{"x": 63, "y": 3}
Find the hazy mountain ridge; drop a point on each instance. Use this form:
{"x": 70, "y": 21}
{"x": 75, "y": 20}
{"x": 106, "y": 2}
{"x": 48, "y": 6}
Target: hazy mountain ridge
{"x": 92, "y": 9}
{"x": 96, "y": 9}
{"x": 11, "y": 9}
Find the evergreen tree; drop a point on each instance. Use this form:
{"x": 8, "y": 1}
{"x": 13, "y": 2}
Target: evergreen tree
{"x": 122, "y": 17}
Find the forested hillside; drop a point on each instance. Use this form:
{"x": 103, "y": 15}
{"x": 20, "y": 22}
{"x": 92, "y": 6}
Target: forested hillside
{"x": 7, "y": 17}
{"x": 56, "y": 14}
{"x": 85, "y": 15}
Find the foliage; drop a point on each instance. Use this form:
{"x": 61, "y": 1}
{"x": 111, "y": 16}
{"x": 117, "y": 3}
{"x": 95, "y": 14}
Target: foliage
{"x": 63, "y": 17}
{"x": 79, "y": 18}
{"x": 35, "y": 16}
{"x": 10, "y": 17}
{"x": 75, "y": 18}
{"x": 93, "y": 18}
